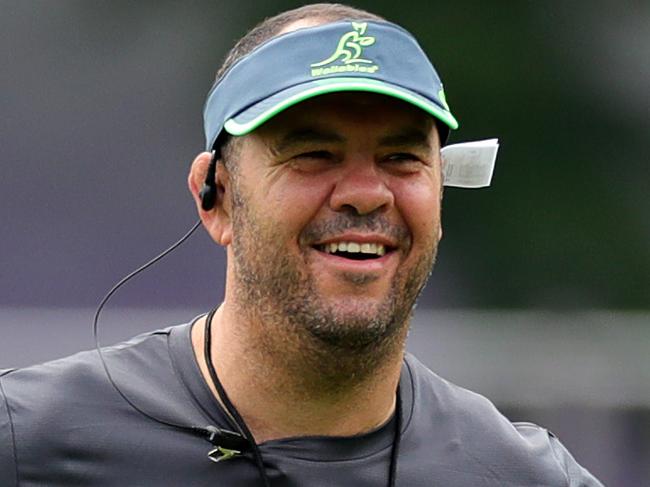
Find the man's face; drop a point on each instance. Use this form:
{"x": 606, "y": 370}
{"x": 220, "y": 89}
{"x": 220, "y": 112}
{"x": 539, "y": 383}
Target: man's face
{"x": 336, "y": 217}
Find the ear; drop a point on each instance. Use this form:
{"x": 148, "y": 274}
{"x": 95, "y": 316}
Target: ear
{"x": 216, "y": 221}
{"x": 442, "y": 191}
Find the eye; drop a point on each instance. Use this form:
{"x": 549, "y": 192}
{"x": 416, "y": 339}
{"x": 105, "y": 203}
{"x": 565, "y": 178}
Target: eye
{"x": 312, "y": 160}
{"x": 404, "y": 162}
{"x": 317, "y": 154}
{"x": 401, "y": 157}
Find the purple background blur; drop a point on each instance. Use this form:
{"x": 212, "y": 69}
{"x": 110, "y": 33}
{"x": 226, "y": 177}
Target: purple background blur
{"x": 541, "y": 295}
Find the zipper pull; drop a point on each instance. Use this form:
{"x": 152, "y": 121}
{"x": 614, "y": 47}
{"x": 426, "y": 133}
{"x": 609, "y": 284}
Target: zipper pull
{"x": 220, "y": 454}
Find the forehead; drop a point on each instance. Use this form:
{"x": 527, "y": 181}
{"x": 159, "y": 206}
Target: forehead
{"x": 370, "y": 114}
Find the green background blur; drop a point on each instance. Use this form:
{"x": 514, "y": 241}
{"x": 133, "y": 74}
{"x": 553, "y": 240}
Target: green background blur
{"x": 101, "y": 108}
{"x": 540, "y": 298}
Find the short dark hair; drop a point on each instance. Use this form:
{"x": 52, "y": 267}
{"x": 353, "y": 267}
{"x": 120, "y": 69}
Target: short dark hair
{"x": 321, "y": 13}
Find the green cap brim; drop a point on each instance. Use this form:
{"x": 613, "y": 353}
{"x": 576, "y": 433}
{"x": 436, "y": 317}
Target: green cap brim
{"x": 259, "y": 113}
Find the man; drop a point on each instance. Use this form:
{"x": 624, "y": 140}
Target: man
{"x": 323, "y": 180}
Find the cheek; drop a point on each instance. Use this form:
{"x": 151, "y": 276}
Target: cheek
{"x": 419, "y": 204}
{"x": 295, "y": 202}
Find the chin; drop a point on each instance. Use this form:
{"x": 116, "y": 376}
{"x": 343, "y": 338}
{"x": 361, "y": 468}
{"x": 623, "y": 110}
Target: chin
{"x": 355, "y": 308}
{"x": 353, "y": 324}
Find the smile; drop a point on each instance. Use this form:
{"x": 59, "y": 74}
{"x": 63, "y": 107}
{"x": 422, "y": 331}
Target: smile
{"x": 354, "y": 250}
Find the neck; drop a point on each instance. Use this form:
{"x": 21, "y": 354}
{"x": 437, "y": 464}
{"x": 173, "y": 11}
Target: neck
{"x": 293, "y": 388}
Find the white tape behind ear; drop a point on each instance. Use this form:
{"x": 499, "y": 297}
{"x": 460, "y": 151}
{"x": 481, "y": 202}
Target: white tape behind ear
{"x": 469, "y": 164}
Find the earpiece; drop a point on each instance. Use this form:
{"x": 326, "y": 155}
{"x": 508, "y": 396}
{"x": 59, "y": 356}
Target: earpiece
{"x": 208, "y": 193}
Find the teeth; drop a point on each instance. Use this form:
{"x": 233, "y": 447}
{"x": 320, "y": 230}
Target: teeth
{"x": 354, "y": 247}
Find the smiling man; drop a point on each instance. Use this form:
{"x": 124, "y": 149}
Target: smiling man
{"x": 323, "y": 179}
{"x": 331, "y": 225}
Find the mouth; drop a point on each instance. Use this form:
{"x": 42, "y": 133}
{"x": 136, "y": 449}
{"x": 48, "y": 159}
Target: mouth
{"x": 355, "y": 250}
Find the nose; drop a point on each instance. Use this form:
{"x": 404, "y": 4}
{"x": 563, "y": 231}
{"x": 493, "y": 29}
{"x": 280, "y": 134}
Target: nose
{"x": 361, "y": 188}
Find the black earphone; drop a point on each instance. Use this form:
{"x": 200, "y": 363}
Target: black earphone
{"x": 226, "y": 443}
{"x": 223, "y": 440}
{"x": 208, "y": 193}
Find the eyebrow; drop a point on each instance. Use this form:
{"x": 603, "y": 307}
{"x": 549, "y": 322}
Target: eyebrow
{"x": 409, "y": 138}
{"x": 304, "y": 136}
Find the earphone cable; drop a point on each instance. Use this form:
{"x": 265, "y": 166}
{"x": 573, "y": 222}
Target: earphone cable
{"x": 200, "y": 431}
{"x": 394, "y": 454}
{"x": 210, "y": 433}
{"x": 230, "y": 407}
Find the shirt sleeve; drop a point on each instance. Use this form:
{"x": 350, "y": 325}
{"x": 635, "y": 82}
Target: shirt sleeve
{"x": 577, "y": 475}
{"x": 8, "y": 467}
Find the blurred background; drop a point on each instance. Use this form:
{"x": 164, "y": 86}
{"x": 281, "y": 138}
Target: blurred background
{"x": 541, "y": 295}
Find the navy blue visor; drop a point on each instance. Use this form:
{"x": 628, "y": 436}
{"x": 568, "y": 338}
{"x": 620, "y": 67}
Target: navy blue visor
{"x": 375, "y": 57}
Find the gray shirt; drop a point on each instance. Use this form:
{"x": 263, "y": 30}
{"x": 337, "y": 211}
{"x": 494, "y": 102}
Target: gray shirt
{"x": 63, "y": 424}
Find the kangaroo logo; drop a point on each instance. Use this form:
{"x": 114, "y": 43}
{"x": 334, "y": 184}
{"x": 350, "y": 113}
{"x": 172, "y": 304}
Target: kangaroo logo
{"x": 348, "y": 52}
{"x": 350, "y": 46}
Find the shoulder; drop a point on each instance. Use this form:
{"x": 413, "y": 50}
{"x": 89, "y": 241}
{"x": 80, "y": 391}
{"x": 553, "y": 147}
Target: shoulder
{"x": 78, "y": 377}
{"x": 58, "y": 405}
{"x": 474, "y": 436}
{"x": 8, "y": 474}
{"x": 443, "y": 399}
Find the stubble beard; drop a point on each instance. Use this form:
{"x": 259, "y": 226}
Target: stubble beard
{"x": 297, "y": 326}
